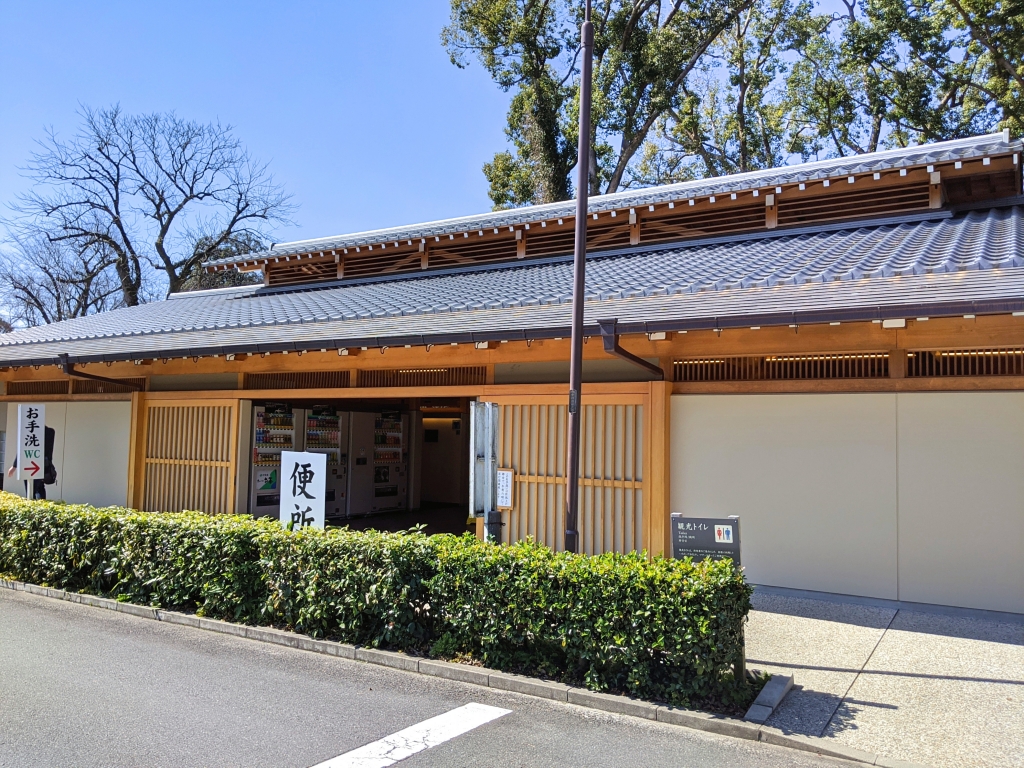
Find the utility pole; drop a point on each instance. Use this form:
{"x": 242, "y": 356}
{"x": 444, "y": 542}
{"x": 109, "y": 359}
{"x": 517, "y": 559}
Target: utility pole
{"x": 579, "y": 271}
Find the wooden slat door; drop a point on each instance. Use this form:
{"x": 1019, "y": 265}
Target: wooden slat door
{"x": 190, "y": 456}
{"x": 532, "y": 441}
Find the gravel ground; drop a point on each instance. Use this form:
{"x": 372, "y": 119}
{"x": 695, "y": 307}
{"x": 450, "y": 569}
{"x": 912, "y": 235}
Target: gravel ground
{"x": 941, "y": 690}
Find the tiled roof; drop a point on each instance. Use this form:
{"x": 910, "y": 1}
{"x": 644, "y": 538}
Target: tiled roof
{"x": 946, "y": 151}
{"x": 938, "y": 262}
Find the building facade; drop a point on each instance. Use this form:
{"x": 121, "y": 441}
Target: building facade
{"x": 839, "y": 350}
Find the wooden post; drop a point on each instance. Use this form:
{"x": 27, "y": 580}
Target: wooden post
{"x": 897, "y": 363}
{"x": 658, "y": 475}
{"x": 137, "y": 450}
{"x": 771, "y": 212}
{"x": 936, "y": 195}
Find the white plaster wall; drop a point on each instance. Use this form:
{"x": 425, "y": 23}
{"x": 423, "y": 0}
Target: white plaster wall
{"x": 812, "y": 477}
{"x": 961, "y": 499}
{"x": 95, "y": 463}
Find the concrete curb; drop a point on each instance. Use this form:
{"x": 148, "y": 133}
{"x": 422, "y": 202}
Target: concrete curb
{"x": 465, "y": 673}
{"x": 769, "y": 698}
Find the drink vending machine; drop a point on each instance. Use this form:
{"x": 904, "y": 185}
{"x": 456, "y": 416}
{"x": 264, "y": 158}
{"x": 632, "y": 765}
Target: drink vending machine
{"x": 379, "y": 451}
{"x": 273, "y": 431}
{"x": 367, "y": 457}
{"x": 327, "y": 432}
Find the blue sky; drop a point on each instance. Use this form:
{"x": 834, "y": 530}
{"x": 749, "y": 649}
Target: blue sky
{"x": 354, "y": 104}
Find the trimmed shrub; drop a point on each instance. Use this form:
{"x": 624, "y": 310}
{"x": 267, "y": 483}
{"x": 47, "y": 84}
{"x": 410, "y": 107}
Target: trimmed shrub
{"x": 660, "y": 629}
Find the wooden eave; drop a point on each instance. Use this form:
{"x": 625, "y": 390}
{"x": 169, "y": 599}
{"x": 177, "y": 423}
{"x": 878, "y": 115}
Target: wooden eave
{"x": 918, "y": 334}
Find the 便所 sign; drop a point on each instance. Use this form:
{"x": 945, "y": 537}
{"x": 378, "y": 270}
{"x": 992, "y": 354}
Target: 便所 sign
{"x": 303, "y": 485}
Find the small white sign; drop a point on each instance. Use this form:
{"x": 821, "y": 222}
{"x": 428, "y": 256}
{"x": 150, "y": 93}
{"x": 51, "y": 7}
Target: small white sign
{"x": 503, "y": 488}
{"x": 31, "y": 442}
{"x": 723, "y": 534}
{"x": 303, "y": 483}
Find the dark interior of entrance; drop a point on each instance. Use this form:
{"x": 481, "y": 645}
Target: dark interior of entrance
{"x": 392, "y": 464}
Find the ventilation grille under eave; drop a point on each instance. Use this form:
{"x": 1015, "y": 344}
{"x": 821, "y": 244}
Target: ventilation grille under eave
{"x": 58, "y": 387}
{"x": 966, "y": 362}
{"x": 89, "y": 386}
{"x": 871, "y": 365}
{"x": 298, "y": 380}
{"x": 424, "y": 377}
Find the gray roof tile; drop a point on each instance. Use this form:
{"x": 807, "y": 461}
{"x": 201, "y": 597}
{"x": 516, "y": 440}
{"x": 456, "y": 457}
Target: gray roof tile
{"x": 859, "y": 269}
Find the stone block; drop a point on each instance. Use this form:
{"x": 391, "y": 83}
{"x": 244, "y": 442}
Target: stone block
{"x": 464, "y": 673}
{"x": 388, "y": 659}
{"x": 544, "y": 689}
{"x": 619, "y": 704}
{"x": 705, "y": 721}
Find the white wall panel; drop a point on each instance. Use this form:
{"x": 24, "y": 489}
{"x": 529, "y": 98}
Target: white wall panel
{"x": 961, "y": 499}
{"x": 812, "y": 477}
{"x": 96, "y": 453}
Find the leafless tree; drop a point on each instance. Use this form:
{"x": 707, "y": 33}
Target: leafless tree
{"x": 148, "y": 189}
{"x": 46, "y": 281}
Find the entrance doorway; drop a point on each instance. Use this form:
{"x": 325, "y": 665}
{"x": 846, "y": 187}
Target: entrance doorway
{"x": 392, "y": 464}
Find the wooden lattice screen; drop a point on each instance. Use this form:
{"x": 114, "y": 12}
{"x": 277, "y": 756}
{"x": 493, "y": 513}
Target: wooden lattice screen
{"x": 532, "y": 441}
{"x": 190, "y": 456}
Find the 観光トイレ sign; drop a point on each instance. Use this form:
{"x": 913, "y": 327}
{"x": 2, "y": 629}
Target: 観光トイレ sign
{"x": 303, "y": 483}
{"x": 701, "y": 537}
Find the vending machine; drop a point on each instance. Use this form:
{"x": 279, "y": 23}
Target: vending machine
{"x": 274, "y": 430}
{"x": 378, "y": 469}
{"x": 327, "y": 432}
{"x": 390, "y": 462}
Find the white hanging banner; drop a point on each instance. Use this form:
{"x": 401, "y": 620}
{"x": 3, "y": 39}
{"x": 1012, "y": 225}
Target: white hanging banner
{"x": 303, "y": 484}
{"x": 31, "y": 442}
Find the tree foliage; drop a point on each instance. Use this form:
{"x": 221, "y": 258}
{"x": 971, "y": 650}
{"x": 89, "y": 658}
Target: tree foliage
{"x": 643, "y": 53}
{"x": 198, "y": 279}
{"x": 46, "y": 281}
{"x": 688, "y": 89}
{"x": 155, "y": 194}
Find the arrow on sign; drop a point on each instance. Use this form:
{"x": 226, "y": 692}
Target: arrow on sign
{"x": 34, "y": 467}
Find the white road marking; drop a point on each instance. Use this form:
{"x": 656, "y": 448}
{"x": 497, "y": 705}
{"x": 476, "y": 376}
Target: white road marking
{"x": 416, "y": 738}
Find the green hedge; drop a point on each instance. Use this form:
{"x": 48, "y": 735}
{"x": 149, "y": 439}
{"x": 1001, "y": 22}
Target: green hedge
{"x": 658, "y": 629}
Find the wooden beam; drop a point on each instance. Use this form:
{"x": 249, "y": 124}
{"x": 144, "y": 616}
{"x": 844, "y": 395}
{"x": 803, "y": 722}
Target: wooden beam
{"x": 943, "y": 384}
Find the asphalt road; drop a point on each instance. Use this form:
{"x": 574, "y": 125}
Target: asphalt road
{"x": 82, "y": 686}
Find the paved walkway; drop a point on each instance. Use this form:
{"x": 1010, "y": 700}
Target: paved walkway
{"x": 941, "y": 690}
